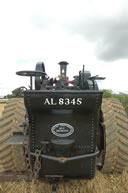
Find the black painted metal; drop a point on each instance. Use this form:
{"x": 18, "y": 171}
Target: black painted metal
{"x": 63, "y": 160}
{"x": 63, "y": 69}
{"x": 39, "y": 79}
{"x": 30, "y": 73}
{"x": 63, "y": 123}
{"x": 83, "y": 118}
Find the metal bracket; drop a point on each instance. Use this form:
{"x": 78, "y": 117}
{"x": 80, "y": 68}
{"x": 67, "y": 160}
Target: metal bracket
{"x": 66, "y": 159}
{"x": 16, "y": 139}
{"x": 54, "y": 187}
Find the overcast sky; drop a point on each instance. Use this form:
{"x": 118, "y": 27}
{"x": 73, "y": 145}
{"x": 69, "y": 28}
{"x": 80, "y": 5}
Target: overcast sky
{"x": 90, "y": 32}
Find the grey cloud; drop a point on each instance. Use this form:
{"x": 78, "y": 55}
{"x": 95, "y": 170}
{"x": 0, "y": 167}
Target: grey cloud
{"x": 110, "y": 36}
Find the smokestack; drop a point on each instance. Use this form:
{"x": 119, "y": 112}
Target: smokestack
{"x": 63, "y": 69}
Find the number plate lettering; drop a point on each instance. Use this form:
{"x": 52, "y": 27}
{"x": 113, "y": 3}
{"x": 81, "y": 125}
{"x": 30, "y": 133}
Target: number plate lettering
{"x": 63, "y": 101}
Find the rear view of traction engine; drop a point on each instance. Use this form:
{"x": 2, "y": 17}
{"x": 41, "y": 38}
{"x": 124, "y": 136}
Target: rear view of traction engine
{"x": 63, "y": 123}
{"x": 66, "y": 129}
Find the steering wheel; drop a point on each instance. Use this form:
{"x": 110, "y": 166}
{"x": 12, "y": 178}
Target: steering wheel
{"x": 30, "y": 73}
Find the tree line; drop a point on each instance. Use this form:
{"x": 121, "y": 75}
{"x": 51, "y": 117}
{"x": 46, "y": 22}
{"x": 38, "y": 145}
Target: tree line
{"x": 16, "y": 93}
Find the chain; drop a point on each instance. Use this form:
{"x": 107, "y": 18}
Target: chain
{"x": 37, "y": 165}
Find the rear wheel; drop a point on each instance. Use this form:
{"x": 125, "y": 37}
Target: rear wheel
{"x": 1, "y": 108}
{"x": 11, "y": 156}
{"x": 116, "y": 134}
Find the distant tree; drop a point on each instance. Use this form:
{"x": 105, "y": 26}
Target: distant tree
{"x": 9, "y": 96}
{"x": 17, "y": 92}
{"x": 107, "y": 93}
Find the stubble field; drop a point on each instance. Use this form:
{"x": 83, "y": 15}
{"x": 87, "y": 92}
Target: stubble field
{"x": 102, "y": 183}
